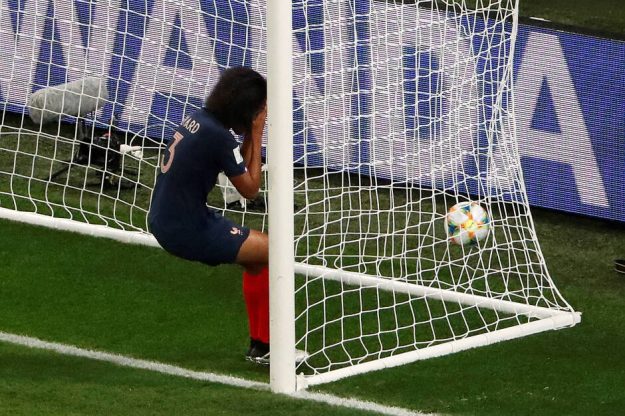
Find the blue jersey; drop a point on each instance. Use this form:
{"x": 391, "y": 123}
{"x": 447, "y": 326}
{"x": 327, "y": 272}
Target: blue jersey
{"x": 179, "y": 219}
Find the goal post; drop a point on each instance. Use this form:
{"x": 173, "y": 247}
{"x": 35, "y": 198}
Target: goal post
{"x": 280, "y": 187}
{"x": 383, "y": 114}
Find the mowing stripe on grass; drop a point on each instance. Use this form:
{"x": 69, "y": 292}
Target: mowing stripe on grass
{"x": 201, "y": 375}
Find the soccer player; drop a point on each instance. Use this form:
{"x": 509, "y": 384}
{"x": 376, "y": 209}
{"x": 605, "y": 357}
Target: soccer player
{"x": 201, "y": 147}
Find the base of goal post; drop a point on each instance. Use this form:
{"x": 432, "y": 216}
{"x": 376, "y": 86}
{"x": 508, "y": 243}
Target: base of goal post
{"x": 546, "y": 319}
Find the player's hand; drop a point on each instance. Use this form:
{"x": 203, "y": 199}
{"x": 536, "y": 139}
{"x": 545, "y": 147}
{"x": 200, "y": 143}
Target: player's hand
{"x": 258, "y": 124}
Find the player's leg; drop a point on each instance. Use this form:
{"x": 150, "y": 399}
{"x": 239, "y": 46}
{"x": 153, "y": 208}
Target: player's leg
{"x": 254, "y": 252}
{"x": 254, "y": 256}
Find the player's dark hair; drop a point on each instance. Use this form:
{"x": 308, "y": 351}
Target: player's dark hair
{"x": 237, "y": 98}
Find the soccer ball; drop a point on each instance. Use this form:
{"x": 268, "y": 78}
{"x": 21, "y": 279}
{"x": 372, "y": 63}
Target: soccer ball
{"x": 467, "y": 223}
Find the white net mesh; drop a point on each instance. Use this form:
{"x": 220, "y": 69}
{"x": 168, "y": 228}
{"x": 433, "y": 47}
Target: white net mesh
{"x": 405, "y": 113}
{"x": 157, "y": 60}
{"x": 402, "y": 109}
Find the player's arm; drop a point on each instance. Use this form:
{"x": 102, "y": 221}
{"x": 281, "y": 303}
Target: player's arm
{"x": 248, "y": 183}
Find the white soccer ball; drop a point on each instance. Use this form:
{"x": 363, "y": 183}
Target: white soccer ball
{"x": 467, "y": 223}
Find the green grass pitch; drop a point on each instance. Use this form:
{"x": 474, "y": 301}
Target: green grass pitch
{"x": 599, "y": 15}
{"x": 138, "y": 301}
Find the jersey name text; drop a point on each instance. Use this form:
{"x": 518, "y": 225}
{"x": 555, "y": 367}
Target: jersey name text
{"x": 190, "y": 124}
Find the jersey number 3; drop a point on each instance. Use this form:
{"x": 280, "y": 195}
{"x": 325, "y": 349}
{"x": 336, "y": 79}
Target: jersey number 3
{"x": 172, "y": 152}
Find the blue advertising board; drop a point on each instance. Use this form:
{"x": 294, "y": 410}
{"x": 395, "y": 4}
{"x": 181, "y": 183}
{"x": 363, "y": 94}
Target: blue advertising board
{"x": 570, "y": 110}
{"x": 161, "y": 59}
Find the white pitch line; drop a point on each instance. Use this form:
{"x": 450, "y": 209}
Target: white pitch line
{"x": 201, "y": 375}
{"x": 130, "y": 362}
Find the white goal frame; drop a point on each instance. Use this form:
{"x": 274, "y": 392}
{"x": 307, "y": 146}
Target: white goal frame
{"x": 280, "y": 188}
{"x": 546, "y": 320}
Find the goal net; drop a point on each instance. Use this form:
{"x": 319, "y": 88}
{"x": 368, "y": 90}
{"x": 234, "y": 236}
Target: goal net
{"x": 401, "y": 109}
